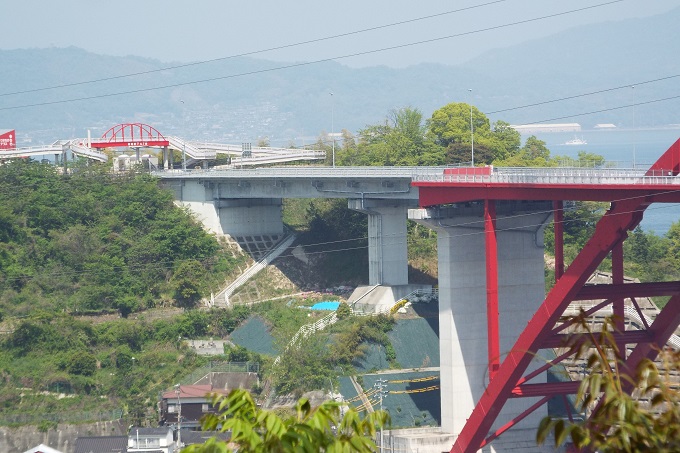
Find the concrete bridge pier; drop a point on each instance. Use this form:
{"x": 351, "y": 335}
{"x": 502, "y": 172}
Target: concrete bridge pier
{"x": 387, "y": 250}
{"x": 466, "y": 349}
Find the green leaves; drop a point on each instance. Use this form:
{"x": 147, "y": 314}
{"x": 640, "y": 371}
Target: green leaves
{"x": 309, "y": 430}
{"x": 616, "y": 421}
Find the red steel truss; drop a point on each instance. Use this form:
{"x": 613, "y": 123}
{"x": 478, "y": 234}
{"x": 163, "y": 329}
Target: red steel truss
{"x": 628, "y": 203}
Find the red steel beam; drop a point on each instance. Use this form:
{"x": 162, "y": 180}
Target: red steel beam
{"x": 669, "y": 162}
{"x": 515, "y": 420}
{"x": 432, "y": 193}
{"x": 491, "y": 251}
{"x": 662, "y": 328}
{"x": 548, "y": 389}
{"x": 617, "y": 305}
{"x": 558, "y": 221}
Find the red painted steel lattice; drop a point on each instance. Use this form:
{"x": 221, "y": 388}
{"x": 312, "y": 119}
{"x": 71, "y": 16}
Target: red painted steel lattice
{"x": 628, "y": 203}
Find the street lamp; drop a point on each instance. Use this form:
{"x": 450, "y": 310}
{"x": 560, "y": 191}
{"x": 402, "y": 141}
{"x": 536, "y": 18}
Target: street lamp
{"x": 634, "y": 137}
{"x": 184, "y": 144}
{"x": 472, "y": 131}
{"x": 333, "y": 125}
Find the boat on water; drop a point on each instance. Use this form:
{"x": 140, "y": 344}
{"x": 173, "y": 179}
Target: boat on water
{"x": 576, "y": 141}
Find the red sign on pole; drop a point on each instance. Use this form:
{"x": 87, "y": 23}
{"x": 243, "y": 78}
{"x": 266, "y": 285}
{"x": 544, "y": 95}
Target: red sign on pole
{"x": 8, "y": 140}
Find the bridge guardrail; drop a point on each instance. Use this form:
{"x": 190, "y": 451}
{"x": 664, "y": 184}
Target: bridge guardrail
{"x": 554, "y": 176}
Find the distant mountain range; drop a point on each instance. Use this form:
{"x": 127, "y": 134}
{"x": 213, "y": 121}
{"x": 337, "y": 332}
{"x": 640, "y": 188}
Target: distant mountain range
{"x": 243, "y": 99}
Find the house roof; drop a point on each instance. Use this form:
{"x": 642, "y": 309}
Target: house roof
{"x": 199, "y": 437}
{"x": 101, "y": 444}
{"x": 192, "y": 391}
{"x": 162, "y": 431}
{"x": 42, "y": 448}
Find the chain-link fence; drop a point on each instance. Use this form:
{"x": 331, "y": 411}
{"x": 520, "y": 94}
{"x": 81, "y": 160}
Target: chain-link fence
{"x": 61, "y": 417}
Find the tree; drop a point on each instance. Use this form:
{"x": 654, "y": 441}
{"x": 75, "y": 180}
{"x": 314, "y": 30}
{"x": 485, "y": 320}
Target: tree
{"x": 184, "y": 283}
{"x": 343, "y": 311}
{"x": 400, "y": 140}
{"x": 82, "y": 363}
{"x": 308, "y": 430}
{"x": 305, "y": 366}
{"x": 450, "y": 125}
{"x": 619, "y": 422}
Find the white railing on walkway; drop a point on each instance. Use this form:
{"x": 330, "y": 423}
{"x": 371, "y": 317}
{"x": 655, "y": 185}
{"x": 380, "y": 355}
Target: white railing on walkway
{"x": 255, "y": 268}
{"x": 190, "y": 150}
{"x": 557, "y": 175}
{"x": 309, "y": 329}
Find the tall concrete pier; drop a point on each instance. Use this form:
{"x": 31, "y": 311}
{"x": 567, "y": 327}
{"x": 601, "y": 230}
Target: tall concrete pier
{"x": 467, "y": 357}
{"x": 387, "y": 248}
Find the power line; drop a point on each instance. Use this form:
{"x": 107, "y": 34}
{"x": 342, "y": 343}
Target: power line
{"x": 591, "y": 93}
{"x": 653, "y": 101}
{"x": 255, "y": 52}
{"x": 309, "y": 63}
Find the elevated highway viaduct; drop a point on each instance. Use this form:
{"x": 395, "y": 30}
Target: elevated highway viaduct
{"x": 248, "y": 202}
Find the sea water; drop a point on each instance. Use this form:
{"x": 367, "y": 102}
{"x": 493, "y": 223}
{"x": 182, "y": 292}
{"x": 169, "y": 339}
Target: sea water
{"x": 624, "y": 148}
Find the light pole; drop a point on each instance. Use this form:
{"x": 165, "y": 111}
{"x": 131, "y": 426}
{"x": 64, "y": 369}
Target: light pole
{"x": 333, "y": 125}
{"x": 472, "y": 131}
{"x": 184, "y": 145}
{"x": 634, "y": 135}
{"x": 179, "y": 416}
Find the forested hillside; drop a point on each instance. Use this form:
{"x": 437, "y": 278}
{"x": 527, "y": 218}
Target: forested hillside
{"x": 92, "y": 243}
{"x": 89, "y": 241}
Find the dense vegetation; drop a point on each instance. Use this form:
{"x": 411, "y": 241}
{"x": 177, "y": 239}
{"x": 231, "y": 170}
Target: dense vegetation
{"x": 88, "y": 241}
{"x": 55, "y": 363}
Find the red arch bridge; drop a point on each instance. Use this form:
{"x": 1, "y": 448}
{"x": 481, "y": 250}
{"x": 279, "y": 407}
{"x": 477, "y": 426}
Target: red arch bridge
{"x": 139, "y": 135}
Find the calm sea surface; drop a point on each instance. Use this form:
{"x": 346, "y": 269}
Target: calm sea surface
{"x": 626, "y": 148}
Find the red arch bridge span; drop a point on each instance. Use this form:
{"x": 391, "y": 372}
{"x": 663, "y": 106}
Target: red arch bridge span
{"x": 140, "y": 135}
{"x": 130, "y": 135}
{"x": 629, "y": 197}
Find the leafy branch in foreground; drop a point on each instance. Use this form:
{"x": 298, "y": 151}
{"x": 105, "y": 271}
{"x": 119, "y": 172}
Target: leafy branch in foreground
{"x": 309, "y": 430}
{"x": 648, "y": 419}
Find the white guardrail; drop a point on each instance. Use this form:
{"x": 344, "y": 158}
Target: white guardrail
{"x": 566, "y": 175}
{"x": 255, "y": 268}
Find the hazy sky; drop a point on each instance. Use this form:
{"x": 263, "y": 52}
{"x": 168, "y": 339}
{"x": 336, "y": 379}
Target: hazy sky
{"x": 182, "y": 30}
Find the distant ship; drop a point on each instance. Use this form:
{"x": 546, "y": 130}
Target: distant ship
{"x": 576, "y": 141}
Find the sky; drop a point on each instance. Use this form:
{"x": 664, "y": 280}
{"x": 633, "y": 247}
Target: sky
{"x": 198, "y": 30}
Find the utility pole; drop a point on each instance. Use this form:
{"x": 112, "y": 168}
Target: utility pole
{"x": 381, "y": 384}
{"x": 178, "y": 390}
